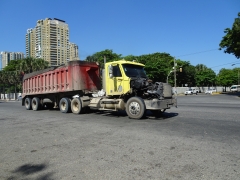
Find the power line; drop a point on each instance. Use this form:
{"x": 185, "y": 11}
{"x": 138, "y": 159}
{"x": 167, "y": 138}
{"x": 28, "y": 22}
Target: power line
{"x": 224, "y": 64}
{"x": 197, "y": 52}
{"x": 207, "y": 51}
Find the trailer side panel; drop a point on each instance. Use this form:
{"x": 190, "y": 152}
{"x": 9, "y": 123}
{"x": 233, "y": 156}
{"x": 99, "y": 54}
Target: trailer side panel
{"x": 77, "y": 75}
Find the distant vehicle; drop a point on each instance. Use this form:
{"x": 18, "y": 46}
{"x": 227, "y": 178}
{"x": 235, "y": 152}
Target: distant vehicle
{"x": 19, "y": 98}
{"x": 235, "y": 88}
{"x": 191, "y": 91}
{"x": 210, "y": 91}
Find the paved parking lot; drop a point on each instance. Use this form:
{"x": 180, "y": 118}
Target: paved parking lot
{"x": 198, "y": 140}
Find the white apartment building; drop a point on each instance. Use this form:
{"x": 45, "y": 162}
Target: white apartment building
{"x": 49, "y": 40}
{"x": 6, "y": 57}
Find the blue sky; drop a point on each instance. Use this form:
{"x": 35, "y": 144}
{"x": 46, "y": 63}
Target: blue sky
{"x": 187, "y": 29}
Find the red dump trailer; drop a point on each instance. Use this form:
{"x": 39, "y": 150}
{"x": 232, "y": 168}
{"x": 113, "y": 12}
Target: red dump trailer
{"x": 51, "y": 85}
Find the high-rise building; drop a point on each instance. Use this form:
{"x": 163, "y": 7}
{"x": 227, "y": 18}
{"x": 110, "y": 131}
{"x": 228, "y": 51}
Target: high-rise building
{"x": 49, "y": 40}
{"x": 73, "y": 48}
{"x": 6, "y": 57}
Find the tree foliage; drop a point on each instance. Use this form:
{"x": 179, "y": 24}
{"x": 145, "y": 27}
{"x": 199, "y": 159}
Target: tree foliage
{"x": 11, "y": 76}
{"x": 157, "y": 65}
{"x": 99, "y": 57}
{"x": 30, "y": 64}
{"x": 227, "y": 77}
{"x": 187, "y": 76}
{"x": 231, "y": 41}
{"x": 204, "y": 76}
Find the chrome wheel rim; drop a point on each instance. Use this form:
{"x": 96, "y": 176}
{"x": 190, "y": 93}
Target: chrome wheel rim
{"x": 75, "y": 106}
{"x": 63, "y": 105}
{"x": 134, "y": 108}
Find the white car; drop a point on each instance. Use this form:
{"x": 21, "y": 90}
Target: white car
{"x": 19, "y": 98}
{"x": 191, "y": 91}
{"x": 210, "y": 91}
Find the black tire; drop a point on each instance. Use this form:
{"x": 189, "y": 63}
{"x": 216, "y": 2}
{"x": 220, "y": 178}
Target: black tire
{"x": 65, "y": 105}
{"x": 76, "y": 106}
{"x": 28, "y": 103}
{"x": 135, "y": 108}
{"x": 36, "y": 104}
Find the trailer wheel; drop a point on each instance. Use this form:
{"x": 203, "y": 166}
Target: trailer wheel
{"x": 28, "y": 103}
{"x": 135, "y": 108}
{"x": 76, "y": 106}
{"x": 64, "y": 105}
{"x": 36, "y": 104}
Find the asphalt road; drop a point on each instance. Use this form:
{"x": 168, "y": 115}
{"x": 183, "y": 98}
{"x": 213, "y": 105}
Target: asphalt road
{"x": 198, "y": 140}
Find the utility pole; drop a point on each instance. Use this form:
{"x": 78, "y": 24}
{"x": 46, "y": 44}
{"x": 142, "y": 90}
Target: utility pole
{"x": 168, "y": 75}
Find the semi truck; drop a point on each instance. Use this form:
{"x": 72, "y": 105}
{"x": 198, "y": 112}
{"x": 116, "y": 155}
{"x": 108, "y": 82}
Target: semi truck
{"x": 80, "y": 85}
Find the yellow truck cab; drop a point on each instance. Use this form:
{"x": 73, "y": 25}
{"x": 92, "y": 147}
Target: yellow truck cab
{"x": 127, "y": 87}
{"x": 118, "y": 76}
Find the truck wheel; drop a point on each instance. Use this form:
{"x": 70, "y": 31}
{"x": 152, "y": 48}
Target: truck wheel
{"x": 64, "y": 105}
{"x": 28, "y": 103}
{"x": 76, "y": 106}
{"x": 36, "y": 104}
{"x": 135, "y": 108}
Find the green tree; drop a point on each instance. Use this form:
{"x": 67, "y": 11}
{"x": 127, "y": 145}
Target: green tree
{"x": 12, "y": 74}
{"x": 3, "y": 80}
{"x": 227, "y": 77}
{"x": 231, "y": 41}
{"x": 131, "y": 58}
{"x": 157, "y": 65}
{"x": 31, "y": 64}
{"x": 204, "y": 76}
{"x": 99, "y": 57}
{"x": 187, "y": 76}
{"x": 13, "y": 65}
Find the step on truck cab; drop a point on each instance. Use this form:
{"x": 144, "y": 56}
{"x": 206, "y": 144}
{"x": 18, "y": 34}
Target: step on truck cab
{"x": 78, "y": 85}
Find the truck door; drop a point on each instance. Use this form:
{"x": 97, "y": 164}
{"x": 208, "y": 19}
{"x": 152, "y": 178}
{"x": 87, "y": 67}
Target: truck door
{"x": 116, "y": 82}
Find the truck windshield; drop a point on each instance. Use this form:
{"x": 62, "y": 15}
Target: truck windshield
{"x": 132, "y": 70}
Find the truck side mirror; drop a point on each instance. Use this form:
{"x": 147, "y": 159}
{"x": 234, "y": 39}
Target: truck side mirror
{"x": 110, "y": 71}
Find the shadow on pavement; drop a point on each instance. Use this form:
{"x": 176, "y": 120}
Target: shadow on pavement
{"x": 148, "y": 114}
{"x": 232, "y": 93}
{"x": 29, "y": 171}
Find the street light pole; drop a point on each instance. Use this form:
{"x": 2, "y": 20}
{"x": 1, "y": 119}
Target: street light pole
{"x": 168, "y": 75}
{"x": 175, "y": 79}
